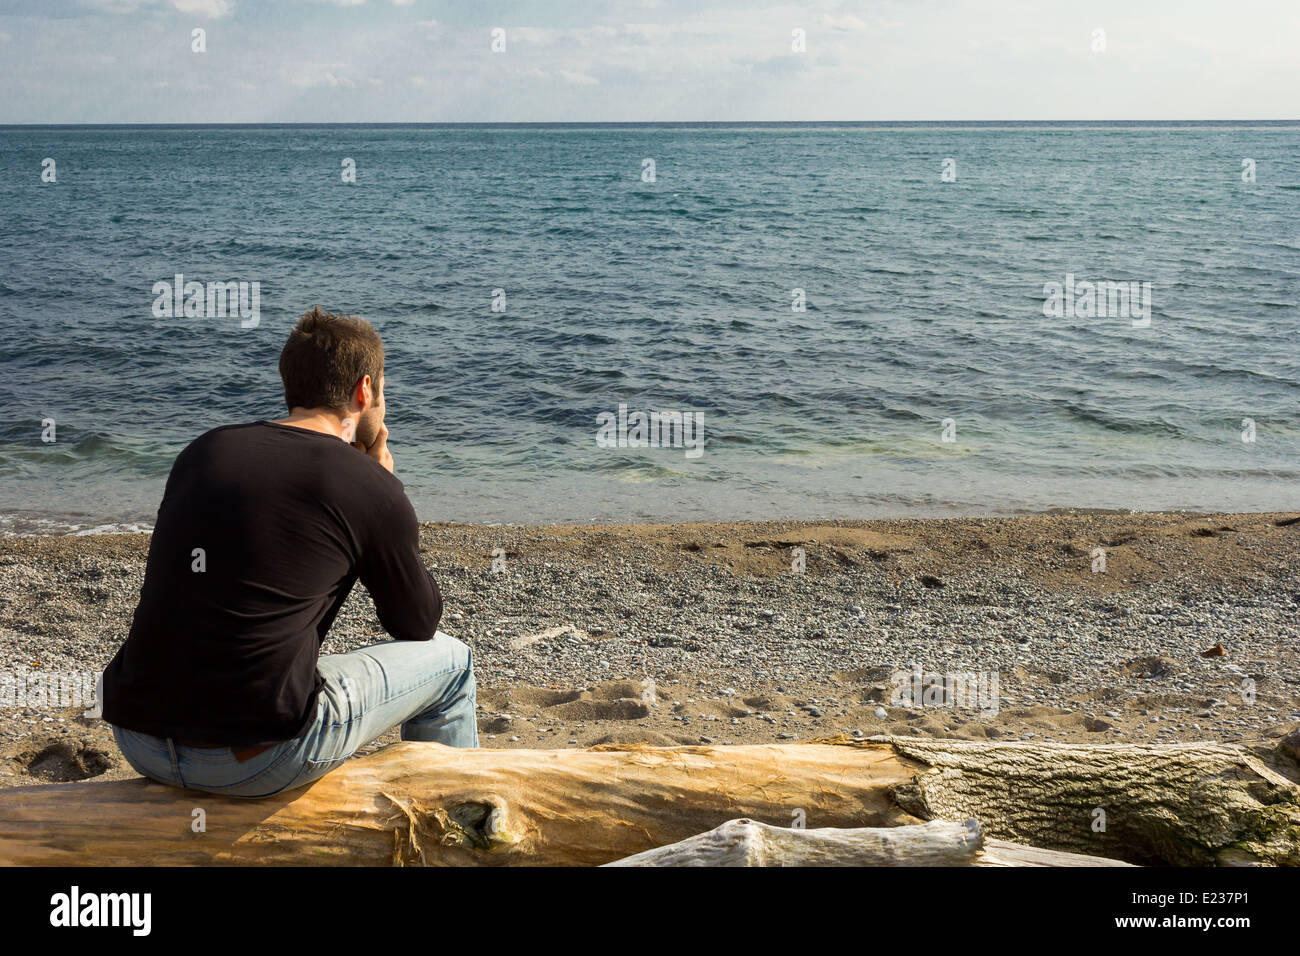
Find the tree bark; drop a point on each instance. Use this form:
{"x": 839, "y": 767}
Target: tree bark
{"x": 425, "y": 804}
{"x": 749, "y": 843}
{"x": 1193, "y": 804}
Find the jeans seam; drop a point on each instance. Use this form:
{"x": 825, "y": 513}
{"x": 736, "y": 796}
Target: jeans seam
{"x": 175, "y": 762}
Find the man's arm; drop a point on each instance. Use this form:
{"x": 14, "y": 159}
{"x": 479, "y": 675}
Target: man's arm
{"x": 405, "y": 593}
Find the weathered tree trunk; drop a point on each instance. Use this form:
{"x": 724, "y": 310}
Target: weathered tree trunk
{"x": 1195, "y": 804}
{"x": 749, "y": 843}
{"x": 425, "y": 804}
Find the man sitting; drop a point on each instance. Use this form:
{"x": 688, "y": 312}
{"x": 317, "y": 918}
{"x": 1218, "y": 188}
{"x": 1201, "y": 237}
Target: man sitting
{"x": 262, "y": 531}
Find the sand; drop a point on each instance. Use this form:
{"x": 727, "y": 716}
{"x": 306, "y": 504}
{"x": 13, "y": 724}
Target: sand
{"x": 677, "y": 634}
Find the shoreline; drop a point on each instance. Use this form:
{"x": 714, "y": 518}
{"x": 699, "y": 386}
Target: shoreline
{"x": 101, "y": 527}
{"x": 742, "y": 647}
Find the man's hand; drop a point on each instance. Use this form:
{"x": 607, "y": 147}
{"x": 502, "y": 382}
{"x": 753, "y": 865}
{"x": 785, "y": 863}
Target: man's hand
{"x": 379, "y": 450}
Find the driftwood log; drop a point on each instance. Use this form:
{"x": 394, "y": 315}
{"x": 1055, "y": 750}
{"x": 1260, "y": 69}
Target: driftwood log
{"x": 750, "y": 843}
{"x": 425, "y": 804}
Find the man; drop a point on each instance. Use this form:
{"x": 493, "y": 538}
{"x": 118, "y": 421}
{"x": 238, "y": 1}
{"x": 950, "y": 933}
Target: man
{"x": 262, "y": 531}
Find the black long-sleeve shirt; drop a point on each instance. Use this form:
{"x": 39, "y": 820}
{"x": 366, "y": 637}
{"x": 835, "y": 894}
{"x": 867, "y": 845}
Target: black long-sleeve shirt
{"x": 262, "y": 531}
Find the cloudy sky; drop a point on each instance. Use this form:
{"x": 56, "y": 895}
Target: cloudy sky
{"x": 122, "y": 61}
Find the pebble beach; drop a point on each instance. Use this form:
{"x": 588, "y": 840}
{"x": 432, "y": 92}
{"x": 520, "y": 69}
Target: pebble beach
{"x": 1085, "y": 627}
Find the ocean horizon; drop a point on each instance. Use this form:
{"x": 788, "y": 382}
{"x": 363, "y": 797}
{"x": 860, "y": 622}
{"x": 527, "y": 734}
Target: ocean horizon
{"x": 826, "y": 320}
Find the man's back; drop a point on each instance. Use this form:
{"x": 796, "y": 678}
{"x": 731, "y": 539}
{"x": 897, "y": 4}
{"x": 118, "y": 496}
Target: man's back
{"x": 261, "y": 533}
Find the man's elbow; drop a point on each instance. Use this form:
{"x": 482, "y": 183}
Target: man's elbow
{"x": 430, "y": 627}
{"x": 435, "y": 609}
{"x": 412, "y": 614}
{"x": 412, "y": 627}
{"x": 424, "y": 627}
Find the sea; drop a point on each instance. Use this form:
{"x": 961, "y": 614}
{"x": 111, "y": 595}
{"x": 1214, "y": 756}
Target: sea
{"x": 817, "y": 320}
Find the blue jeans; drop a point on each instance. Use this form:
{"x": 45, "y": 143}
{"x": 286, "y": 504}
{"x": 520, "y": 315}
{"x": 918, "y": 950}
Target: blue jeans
{"x": 426, "y": 686}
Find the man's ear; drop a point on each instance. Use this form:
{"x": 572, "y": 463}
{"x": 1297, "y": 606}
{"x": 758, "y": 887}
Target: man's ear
{"x": 363, "y": 395}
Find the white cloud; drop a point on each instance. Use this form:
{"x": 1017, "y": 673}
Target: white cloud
{"x": 645, "y": 59}
{"x": 334, "y": 75}
{"x": 213, "y": 9}
{"x": 547, "y": 36}
{"x": 846, "y": 23}
{"x": 113, "y": 6}
{"x": 648, "y": 31}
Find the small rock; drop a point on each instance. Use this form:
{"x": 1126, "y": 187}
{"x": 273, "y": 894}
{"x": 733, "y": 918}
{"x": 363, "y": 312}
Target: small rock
{"x": 1290, "y": 744}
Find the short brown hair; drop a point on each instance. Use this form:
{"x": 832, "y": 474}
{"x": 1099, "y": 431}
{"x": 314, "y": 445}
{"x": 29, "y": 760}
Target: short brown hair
{"x": 326, "y": 356}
